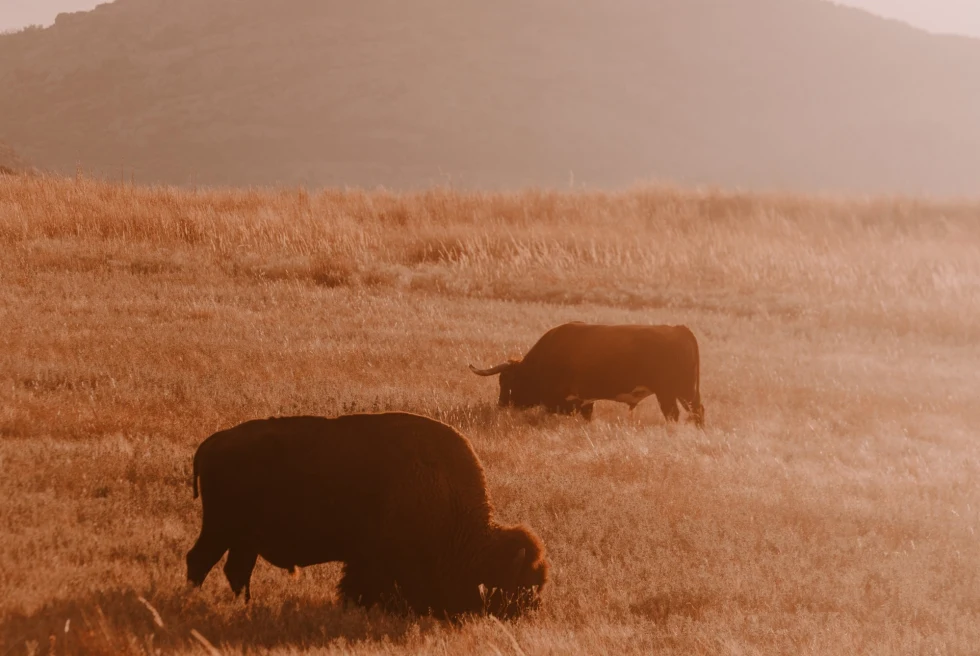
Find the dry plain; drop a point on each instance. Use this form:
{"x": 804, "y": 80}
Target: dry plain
{"x": 830, "y": 506}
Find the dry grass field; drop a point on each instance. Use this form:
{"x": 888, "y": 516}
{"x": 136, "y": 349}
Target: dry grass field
{"x": 830, "y": 507}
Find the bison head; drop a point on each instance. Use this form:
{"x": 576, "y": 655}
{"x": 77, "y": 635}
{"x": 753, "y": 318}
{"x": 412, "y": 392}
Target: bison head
{"x": 514, "y": 572}
{"x": 514, "y": 390}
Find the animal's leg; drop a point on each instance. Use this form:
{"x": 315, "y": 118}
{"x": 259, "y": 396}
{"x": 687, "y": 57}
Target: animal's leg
{"x": 422, "y": 588}
{"x": 461, "y": 597}
{"x": 698, "y": 415}
{"x": 563, "y": 407}
{"x": 366, "y": 584}
{"x": 669, "y": 406}
{"x": 238, "y": 571}
{"x": 695, "y": 412}
{"x": 447, "y": 594}
{"x": 586, "y": 410}
{"x": 204, "y": 555}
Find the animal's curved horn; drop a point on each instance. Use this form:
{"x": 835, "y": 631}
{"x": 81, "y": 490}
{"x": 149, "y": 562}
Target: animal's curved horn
{"x": 492, "y": 371}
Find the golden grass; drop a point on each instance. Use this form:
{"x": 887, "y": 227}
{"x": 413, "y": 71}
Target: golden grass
{"x": 830, "y": 507}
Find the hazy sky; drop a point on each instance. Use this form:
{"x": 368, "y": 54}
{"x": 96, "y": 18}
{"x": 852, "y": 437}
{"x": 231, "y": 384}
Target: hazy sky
{"x": 959, "y": 16}
{"x": 956, "y": 16}
{"x": 15, "y": 14}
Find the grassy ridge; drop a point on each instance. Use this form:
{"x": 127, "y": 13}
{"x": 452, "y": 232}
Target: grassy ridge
{"x": 830, "y": 507}
{"x": 829, "y": 259}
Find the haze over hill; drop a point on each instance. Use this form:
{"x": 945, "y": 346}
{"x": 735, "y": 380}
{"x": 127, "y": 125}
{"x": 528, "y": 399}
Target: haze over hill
{"x": 9, "y": 159}
{"x": 940, "y": 16}
{"x": 799, "y": 94}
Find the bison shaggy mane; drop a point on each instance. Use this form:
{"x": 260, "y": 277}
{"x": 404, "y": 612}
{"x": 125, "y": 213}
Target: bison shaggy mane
{"x": 400, "y": 499}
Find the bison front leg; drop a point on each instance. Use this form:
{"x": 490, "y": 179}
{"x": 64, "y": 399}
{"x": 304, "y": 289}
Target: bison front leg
{"x": 238, "y": 571}
{"x": 561, "y": 406}
{"x": 569, "y": 405}
{"x": 430, "y": 588}
{"x": 668, "y": 404}
{"x": 367, "y": 584}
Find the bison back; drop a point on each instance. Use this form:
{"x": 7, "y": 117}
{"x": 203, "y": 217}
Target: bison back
{"x": 303, "y": 490}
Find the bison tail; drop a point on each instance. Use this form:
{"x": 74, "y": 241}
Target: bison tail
{"x": 194, "y": 477}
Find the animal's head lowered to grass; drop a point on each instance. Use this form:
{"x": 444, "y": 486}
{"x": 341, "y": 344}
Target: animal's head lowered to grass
{"x": 515, "y": 572}
{"x": 513, "y": 391}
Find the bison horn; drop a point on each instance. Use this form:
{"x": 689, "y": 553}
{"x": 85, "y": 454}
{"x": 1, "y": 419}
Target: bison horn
{"x": 492, "y": 370}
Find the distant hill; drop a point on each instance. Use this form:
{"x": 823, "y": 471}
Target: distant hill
{"x": 774, "y": 94}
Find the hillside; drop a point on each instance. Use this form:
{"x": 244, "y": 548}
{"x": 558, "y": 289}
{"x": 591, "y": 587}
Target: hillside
{"x": 799, "y": 94}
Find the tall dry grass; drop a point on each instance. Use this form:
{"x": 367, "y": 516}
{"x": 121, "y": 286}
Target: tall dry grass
{"x": 829, "y": 507}
{"x": 828, "y": 259}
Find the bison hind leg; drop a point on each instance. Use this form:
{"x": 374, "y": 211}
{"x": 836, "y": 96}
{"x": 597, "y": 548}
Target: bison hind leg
{"x": 698, "y": 415}
{"x": 238, "y": 571}
{"x": 203, "y": 556}
{"x": 668, "y": 404}
{"x": 695, "y": 411}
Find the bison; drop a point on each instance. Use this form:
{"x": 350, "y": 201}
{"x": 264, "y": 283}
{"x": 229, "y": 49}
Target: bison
{"x": 576, "y": 364}
{"x": 400, "y": 499}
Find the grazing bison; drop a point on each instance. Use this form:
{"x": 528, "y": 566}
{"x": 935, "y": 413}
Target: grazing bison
{"x": 576, "y": 364}
{"x": 399, "y": 498}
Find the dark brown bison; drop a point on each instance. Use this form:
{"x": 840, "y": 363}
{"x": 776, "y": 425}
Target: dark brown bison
{"x": 399, "y": 498}
{"x": 576, "y": 364}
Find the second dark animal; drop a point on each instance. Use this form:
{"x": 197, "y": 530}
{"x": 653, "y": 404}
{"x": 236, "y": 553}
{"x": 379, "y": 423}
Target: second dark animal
{"x": 576, "y": 364}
